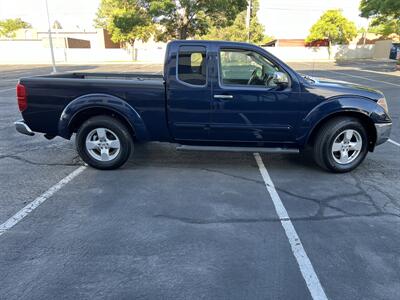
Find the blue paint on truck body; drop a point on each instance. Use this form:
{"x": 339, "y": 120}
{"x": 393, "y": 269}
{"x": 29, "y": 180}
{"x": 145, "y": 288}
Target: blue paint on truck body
{"x": 165, "y": 108}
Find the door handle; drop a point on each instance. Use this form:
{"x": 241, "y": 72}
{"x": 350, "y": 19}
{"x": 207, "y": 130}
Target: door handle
{"x": 223, "y": 96}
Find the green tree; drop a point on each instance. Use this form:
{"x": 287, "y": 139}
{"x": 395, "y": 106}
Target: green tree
{"x": 380, "y": 8}
{"x": 8, "y": 27}
{"x": 125, "y": 20}
{"x": 238, "y": 31}
{"x": 385, "y": 27}
{"x": 385, "y": 15}
{"x": 334, "y": 27}
{"x": 182, "y": 19}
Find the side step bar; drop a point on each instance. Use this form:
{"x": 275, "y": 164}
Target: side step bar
{"x": 235, "y": 149}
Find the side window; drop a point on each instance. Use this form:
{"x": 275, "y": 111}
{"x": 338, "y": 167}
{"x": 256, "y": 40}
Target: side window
{"x": 245, "y": 67}
{"x": 192, "y": 65}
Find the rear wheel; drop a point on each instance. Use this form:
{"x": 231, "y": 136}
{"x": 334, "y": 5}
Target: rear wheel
{"x": 104, "y": 143}
{"x": 341, "y": 145}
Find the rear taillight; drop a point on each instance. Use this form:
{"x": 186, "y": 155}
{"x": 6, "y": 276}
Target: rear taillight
{"x": 21, "y": 96}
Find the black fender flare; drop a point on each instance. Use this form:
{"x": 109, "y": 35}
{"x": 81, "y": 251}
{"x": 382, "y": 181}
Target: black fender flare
{"x": 363, "y": 107}
{"x": 105, "y": 101}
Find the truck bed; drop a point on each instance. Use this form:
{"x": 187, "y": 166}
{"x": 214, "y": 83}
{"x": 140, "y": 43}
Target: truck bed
{"x": 48, "y": 95}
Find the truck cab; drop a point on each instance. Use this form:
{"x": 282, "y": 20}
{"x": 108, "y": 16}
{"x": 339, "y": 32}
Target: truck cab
{"x": 230, "y": 93}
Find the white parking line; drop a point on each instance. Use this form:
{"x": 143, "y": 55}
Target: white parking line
{"x": 375, "y": 72}
{"x": 362, "y": 77}
{"x": 11, "y": 222}
{"x": 6, "y": 90}
{"x": 393, "y": 142}
{"x": 356, "y": 76}
{"x": 306, "y": 268}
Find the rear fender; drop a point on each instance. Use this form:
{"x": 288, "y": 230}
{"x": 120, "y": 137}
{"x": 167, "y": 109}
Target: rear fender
{"x": 105, "y": 101}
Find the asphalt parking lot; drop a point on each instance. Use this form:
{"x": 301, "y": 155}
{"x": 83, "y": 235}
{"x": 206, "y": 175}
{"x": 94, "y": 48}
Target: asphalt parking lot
{"x": 196, "y": 225}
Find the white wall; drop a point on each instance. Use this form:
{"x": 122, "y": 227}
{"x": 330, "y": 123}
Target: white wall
{"x": 299, "y": 53}
{"x": 382, "y": 49}
{"x": 353, "y": 51}
{"x": 150, "y": 52}
{"x": 97, "y": 55}
{"x": 22, "y": 51}
{"x": 154, "y": 52}
{"x": 33, "y": 51}
{"x": 321, "y": 53}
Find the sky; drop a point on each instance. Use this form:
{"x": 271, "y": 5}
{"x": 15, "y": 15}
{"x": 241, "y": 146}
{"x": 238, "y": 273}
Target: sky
{"x": 281, "y": 18}
{"x": 70, "y": 13}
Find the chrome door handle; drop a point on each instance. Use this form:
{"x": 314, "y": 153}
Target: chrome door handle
{"x": 223, "y": 96}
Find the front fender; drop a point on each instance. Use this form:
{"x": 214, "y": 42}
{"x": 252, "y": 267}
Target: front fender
{"x": 340, "y": 105}
{"x": 105, "y": 101}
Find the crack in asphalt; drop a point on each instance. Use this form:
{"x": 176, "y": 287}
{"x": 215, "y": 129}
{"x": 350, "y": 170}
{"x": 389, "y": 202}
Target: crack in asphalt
{"x": 392, "y": 200}
{"x": 234, "y": 176}
{"x": 40, "y": 147}
{"x": 322, "y": 203}
{"x": 18, "y": 158}
{"x": 199, "y": 221}
{"x": 364, "y": 192}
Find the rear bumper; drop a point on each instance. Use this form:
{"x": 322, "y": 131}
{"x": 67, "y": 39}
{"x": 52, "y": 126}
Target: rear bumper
{"x": 21, "y": 127}
{"x": 382, "y": 132}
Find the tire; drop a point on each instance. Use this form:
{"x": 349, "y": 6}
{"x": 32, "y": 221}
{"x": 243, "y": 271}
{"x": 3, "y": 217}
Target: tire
{"x": 336, "y": 139}
{"x": 104, "y": 143}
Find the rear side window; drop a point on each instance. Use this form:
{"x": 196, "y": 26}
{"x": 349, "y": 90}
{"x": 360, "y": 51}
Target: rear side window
{"x": 192, "y": 67}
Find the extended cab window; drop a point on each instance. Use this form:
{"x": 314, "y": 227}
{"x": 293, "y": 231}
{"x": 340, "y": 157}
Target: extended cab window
{"x": 245, "y": 67}
{"x": 192, "y": 65}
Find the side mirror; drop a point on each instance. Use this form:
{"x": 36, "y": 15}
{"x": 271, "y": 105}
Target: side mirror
{"x": 280, "y": 78}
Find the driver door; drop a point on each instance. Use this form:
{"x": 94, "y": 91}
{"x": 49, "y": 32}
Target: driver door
{"x": 247, "y": 106}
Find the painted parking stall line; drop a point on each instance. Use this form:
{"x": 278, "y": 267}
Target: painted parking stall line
{"x": 15, "y": 219}
{"x": 393, "y": 142}
{"x": 305, "y": 265}
{"x": 362, "y": 77}
{"x": 358, "y": 76}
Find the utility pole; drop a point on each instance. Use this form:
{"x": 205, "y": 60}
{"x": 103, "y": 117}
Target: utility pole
{"x": 50, "y": 39}
{"x": 248, "y": 20}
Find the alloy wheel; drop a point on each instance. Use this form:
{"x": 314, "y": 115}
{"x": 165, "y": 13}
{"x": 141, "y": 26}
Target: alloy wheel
{"x": 103, "y": 144}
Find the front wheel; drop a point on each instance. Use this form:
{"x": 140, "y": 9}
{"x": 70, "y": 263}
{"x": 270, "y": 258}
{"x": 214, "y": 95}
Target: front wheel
{"x": 341, "y": 145}
{"x": 104, "y": 143}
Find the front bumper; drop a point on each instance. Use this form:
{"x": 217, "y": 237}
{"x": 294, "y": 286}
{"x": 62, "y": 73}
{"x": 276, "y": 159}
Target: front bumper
{"x": 382, "y": 132}
{"x": 23, "y": 128}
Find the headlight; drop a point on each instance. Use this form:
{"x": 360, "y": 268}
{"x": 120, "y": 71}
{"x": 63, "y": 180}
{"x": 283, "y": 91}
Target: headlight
{"x": 382, "y": 102}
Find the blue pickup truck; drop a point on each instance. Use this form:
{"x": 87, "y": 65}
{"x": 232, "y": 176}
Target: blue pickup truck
{"x": 214, "y": 96}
